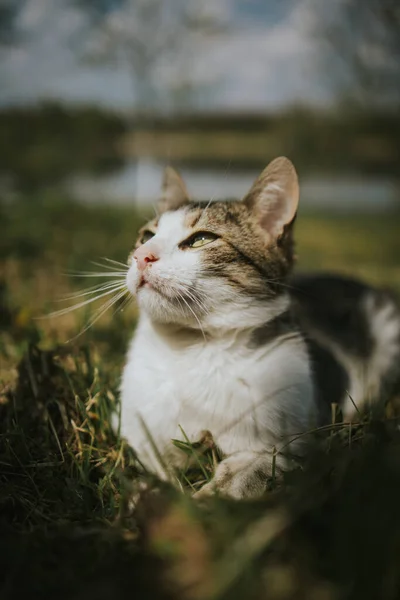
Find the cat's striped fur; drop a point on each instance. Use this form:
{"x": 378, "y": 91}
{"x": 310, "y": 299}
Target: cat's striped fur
{"x": 228, "y": 342}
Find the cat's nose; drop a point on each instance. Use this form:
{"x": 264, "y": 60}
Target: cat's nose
{"x": 144, "y": 256}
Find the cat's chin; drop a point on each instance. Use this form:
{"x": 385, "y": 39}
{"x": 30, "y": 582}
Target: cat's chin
{"x": 165, "y": 310}
{"x": 157, "y": 305}
{"x": 148, "y": 292}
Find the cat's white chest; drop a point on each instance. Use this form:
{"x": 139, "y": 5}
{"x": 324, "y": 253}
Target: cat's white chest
{"x": 218, "y": 386}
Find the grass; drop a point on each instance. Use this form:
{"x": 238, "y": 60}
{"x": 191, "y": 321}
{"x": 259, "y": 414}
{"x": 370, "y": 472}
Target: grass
{"x": 330, "y": 530}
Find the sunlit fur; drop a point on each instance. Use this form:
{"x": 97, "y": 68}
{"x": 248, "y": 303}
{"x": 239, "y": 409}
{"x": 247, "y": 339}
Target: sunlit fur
{"x": 219, "y": 345}
{"x": 227, "y": 341}
{"x": 196, "y": 287}
{"x": 192, "y": 363}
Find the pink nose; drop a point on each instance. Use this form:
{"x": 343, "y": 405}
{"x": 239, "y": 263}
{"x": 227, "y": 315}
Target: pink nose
{"x": 144, "y": 256}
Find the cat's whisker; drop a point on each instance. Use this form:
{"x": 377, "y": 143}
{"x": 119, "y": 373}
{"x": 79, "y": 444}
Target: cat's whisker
{"x": 181, "y": 288}
{"x": 102, "y": 266}
{"x": 181, "y": 305}
{"x": 105, "y": 307}
{"x": 111, "y": 266}
{"x": 91, "y": 290}
{"x": 196, "y": 301}
{"x": 125, "y": 303}
{"x": 198, "y": 298}
{"x": 64, "y": 311}
{"x": 194, "y": 314}
{"x": 204, "y": 213}
{"x": 155, "y": 210}
{"x": 115, "y": 262}
{"x": 120, "y": 274}
{"x": 99, "y": 313}
{"x": 194, "y": 297}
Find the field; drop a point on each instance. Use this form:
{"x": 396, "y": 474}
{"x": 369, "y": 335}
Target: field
{"x": 331, "y": 530}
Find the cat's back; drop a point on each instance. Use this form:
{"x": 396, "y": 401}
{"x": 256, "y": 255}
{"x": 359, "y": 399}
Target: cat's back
{"x": 353, "y": 331}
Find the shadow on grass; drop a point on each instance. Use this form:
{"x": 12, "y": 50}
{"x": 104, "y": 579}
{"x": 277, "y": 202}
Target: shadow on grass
{"x": 331, "y": 530}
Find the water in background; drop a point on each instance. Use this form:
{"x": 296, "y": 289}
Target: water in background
{"x": 142, "y": 182}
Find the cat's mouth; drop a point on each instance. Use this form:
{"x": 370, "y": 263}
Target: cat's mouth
{"x": 144, "y": 283}
{"x": 166, "y": 294}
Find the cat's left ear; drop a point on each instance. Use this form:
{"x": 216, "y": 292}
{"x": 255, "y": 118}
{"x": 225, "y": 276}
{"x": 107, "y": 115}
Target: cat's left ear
{"x": 174, "y": 192}
{"x": 274, "y": 196}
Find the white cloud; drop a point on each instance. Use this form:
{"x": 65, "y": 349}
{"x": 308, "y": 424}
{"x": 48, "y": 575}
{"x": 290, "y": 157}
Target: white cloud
{"x": 253, "y": 67}
{"x": 28, "y": 72}
{"x": 265, "y": 66}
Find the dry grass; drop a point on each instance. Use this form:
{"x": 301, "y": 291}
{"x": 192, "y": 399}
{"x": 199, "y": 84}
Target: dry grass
{"x": 330, "y": 531}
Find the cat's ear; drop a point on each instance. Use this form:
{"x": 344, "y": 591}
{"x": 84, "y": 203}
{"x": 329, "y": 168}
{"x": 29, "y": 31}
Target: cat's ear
{"x": 174, "y": 192}
{"x": 274, "y": 196}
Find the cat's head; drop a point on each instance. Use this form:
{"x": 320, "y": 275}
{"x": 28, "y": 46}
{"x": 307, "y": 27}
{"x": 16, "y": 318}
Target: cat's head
{"x": 208, "y": 264}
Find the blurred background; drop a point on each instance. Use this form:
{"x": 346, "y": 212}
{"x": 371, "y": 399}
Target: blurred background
{"x": 97, "y": 96}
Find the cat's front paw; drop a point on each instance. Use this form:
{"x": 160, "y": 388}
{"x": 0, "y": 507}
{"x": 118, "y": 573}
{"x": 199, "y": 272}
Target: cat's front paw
{"x": 240, "y": 476}
{"x": 205, "y": 492}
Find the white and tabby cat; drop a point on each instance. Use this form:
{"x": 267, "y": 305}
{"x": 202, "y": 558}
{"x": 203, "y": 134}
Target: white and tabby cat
{"x": 220, "y": 343}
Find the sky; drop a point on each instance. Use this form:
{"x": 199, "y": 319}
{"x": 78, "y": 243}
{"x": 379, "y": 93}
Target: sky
{"x": 265, "y": 57}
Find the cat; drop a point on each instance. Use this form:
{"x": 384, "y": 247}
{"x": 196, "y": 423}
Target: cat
{"x": 229, "y": 342}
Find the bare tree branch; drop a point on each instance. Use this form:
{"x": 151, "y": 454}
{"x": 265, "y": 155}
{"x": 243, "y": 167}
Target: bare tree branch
{"x": 151, "y": 37}
{"x": 361, "y": 39}
{"x": 9, "y": 11}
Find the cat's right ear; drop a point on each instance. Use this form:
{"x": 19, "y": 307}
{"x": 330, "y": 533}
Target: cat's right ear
{"x": 274, "y": 197}
{"x": 174, "y": 192}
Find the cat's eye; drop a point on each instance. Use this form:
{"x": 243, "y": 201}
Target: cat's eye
{"x": 199, "y": 239}
{"x": 146, "y": 236}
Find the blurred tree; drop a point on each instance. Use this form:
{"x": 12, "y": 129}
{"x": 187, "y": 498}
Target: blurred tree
{"x": 362, "y": 40}
{"x": 44, "y": 145}
{"x": 154, "y": 39}
{"x": 362, "y": 64}
{"x": 9, "y": 11}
